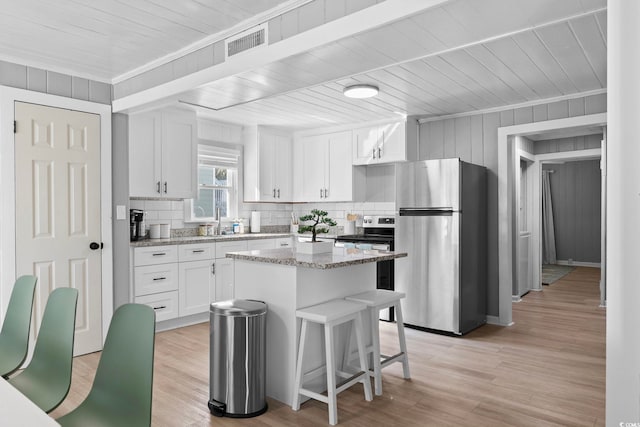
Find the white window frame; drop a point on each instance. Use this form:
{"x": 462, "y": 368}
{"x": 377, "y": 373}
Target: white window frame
{"x": 226, "y": 161}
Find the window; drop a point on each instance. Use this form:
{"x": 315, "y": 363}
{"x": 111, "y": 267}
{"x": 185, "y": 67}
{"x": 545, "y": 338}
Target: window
{"x": 217, "y": 184}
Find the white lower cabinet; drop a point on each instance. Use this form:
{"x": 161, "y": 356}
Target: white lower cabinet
{"x": 261, "y": 244}
{"x": 284, "y": 242}
{"x": 224, "y": 279}
{"x": 165, "y": 304}
{"x": 155, "y": 279}
{"x": 182, "y": 280}
{"x": 224, "y": 267}
{"x": 196, "y": 286}
{"x": 152, "y": 279}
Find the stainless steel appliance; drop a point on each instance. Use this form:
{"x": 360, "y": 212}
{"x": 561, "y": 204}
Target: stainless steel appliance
{"x": 136, "y": 224}
{"x": 378, "y": 233}
{"x": 441, "y": 224}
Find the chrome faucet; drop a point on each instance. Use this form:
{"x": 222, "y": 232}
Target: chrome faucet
{"x": 219, "y": 225}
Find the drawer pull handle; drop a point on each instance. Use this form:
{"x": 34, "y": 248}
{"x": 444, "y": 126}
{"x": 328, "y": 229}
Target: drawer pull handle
{"x": 198, "y": 251}
{"x": 159, "y": 254}
{"x": 159, "y": 278}
{"x": 160, "y": 308}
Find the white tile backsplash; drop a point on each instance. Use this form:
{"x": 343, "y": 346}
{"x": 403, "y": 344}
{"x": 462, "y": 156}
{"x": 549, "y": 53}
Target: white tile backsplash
{"x": 172, "y": 212}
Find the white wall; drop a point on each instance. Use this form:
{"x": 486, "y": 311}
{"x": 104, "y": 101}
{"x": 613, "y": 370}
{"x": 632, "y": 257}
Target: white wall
{"x": 623, "y": 214}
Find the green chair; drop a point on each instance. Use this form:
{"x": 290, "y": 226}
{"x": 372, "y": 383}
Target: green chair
{"x": 122, "y": 389}
{"x": 47, "y": 379}
{"x": 14, "y": 336}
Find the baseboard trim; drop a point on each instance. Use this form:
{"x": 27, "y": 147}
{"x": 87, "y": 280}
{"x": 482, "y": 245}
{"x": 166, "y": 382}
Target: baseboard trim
{"x": 180, "y": 322}
{"x": 495, "y": 320}
{"x": 579, "y": 263}
{"x": 516, "y": 298}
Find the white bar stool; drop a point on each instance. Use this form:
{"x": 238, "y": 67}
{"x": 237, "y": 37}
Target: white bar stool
{"x": 330, "y": 314}
{"x": 377, "y": 300}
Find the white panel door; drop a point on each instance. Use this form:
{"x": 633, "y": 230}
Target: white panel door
{"x": 58, "y": 211}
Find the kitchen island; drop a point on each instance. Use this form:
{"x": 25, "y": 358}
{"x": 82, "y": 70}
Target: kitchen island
{"x": 287, "y": 281}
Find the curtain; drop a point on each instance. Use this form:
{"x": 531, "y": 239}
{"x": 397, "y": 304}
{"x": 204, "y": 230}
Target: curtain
{"x": 548, "y": 233}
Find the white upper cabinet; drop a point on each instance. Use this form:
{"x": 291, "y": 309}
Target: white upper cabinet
{"x": 162, "y": 154}
{"x": 384, "y": 143}
{"x": 267, "y": 166}
{"x": 324, "y": 167}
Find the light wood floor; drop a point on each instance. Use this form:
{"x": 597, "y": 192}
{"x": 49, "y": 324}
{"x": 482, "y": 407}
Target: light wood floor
{"x": 547, "y": 369}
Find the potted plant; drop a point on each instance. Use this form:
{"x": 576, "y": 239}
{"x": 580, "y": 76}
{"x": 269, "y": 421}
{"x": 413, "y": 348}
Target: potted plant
{"x": 317, "y": 219}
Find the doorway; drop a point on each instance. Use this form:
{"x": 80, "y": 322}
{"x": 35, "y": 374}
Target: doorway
{"x": 507, "y": 224}
{"x": 9, "y": 264}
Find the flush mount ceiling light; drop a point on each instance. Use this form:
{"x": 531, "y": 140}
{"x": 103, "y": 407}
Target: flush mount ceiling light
{"x": 360, "y": 91}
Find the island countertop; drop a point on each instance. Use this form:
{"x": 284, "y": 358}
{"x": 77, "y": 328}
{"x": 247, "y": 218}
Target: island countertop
{"x": 339, "y": 257}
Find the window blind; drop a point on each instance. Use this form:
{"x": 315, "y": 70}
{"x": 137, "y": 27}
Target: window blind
{"x": 210, "y": 155}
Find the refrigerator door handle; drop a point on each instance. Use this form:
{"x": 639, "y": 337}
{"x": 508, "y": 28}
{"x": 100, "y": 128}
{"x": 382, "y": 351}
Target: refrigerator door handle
{"x": 446, "y": 211}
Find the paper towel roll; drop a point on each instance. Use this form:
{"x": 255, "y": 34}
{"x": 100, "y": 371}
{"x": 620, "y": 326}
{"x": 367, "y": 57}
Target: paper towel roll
{"x": 255, "y": 222}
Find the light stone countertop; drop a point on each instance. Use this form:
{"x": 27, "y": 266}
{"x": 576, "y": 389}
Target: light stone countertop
{"x": 207, "y": 239}
{"x": 339, "y": 257}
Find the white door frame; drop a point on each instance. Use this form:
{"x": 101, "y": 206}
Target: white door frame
{"x": 505, "y": 200}
{"x": 532, "y": 182}
{"x": 8, "y": 97}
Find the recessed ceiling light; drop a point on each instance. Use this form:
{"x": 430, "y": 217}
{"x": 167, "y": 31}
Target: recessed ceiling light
{"x": 360, "y": 91}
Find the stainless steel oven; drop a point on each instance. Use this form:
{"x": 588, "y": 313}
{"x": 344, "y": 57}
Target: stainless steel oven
{"x": 378, "y": 233}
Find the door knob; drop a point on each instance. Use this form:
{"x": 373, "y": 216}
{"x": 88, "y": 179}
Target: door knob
{"x": 95, "y": 245}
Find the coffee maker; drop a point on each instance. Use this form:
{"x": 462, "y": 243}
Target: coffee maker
{"x": 136, "y": 224}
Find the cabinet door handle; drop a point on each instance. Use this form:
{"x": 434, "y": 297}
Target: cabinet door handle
{"x": 278, "y": 193}
{"x": 160, "y": 307}
{"x": 158, "y": 187}
{"x": 325, "y": 193}
{"x": 321, "y": 193}
{"x": 274, "y": 193}
{"x": 155, "y": 279}
{"x": 379, "y": 152}
{"x": 197, "y": 251}
{"x": 159, "y": 254}
{"x": 213, "y": 268}
{"x": 374, "y": 153}
{"x": 165, "y": 187}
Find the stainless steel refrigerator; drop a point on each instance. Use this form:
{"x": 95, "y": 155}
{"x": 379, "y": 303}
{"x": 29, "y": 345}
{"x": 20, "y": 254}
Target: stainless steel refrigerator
{"x": 442, "y": 224}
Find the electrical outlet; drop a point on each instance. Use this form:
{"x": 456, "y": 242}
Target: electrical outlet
{"x": 121, "y": 212}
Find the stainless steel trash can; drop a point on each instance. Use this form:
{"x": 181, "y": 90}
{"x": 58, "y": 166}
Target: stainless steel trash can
{"x": 237, "y": 358}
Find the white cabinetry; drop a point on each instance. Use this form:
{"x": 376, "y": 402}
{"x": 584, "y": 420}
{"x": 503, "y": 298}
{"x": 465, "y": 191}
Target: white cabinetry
{"x": 325, "y": 168}
{"x": 162, "y": 154}
{"x": 155, "y": 280}
{"x": 197, "y": 284}
{"x": 284, "y": 242}
{"x": 224, "y": 287}
{"x": 267, "y": 166}
{"x": 257, "y": 244}
{"x": 383, "y": 143}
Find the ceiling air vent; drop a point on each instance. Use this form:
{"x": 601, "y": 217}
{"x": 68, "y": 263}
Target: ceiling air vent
{"x": 246, "y": 40}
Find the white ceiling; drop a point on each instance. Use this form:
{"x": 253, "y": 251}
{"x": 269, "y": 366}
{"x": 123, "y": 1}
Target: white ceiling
{"x": 461, "y": 56}
{"x": 107, "y": 38}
